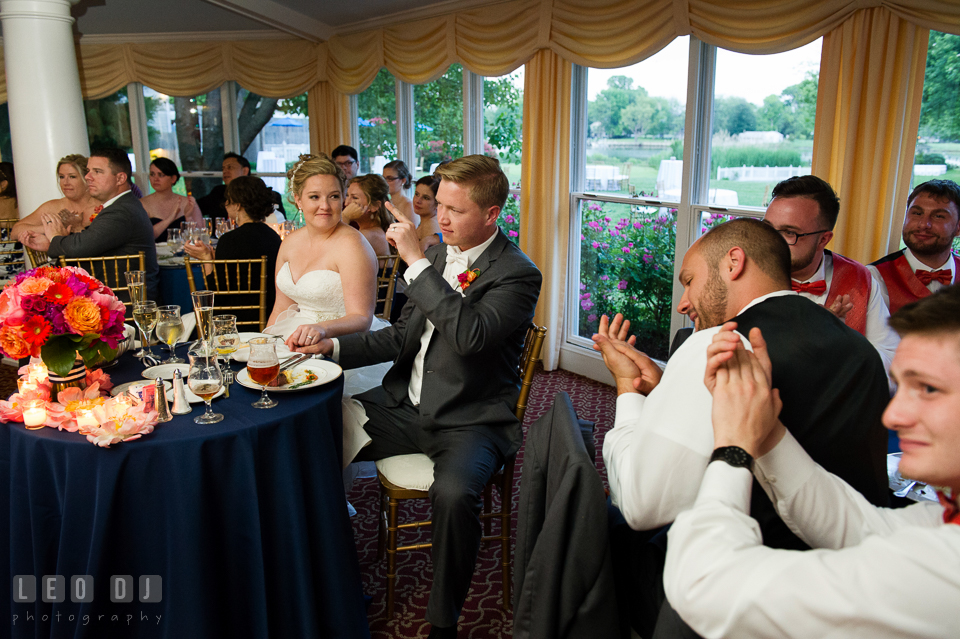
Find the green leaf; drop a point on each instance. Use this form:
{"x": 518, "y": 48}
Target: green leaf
{"x": 97, "y": 354}
{"x": 59, "y": 354}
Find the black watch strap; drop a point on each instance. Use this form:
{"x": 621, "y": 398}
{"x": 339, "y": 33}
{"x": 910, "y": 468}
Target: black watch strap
{"x": 733, "y": 455}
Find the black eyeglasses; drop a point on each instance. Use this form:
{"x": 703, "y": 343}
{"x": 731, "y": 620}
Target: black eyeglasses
{"x": 790, "y": 237}
{"x": 392, "y": 178}
{"x": 346, "y": 163}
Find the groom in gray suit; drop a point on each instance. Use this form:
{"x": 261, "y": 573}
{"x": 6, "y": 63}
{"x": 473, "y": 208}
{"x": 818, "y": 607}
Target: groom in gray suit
{"x": 452, "y": 389}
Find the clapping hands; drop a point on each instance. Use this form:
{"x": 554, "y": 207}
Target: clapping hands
{"x": 633, "y": 371}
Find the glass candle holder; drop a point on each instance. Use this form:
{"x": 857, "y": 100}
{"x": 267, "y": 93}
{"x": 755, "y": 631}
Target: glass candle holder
{"x": 34, "y": 413}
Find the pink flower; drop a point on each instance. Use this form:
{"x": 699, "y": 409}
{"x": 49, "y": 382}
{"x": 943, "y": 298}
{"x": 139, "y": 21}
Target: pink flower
{"x": 625, "y": 249}
{"x": 586, "y": 305}
{"x": 622, "y": 285}
{"x": 604, "y": 278}
{"x": 509, "y": 219}
{"x": 591, "y": 317}
{"x": 97, "y": 376}
{"x": 647, "y": 258}
{"x": 596, "y": 245}
{"x": 513, "y": 234}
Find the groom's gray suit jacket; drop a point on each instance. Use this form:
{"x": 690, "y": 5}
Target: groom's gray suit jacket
{"x": 470, "y": 369}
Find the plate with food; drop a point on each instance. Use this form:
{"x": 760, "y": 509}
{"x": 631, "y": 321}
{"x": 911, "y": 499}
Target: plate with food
{"x": 309, "y": 374}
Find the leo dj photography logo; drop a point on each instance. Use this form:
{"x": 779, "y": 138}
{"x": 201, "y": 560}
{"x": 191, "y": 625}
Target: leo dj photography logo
{"x": 53, "y": 589}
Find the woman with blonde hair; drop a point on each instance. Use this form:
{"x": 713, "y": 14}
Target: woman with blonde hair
{"x": 366, "y": 199}
{"x": 76, "y": 208}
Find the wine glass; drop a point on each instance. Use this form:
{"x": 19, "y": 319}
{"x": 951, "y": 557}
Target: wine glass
{"x": 145, "y": 315}
{"x": 205, "y": 380}
{"x": 263, "y": 366}
{"x": 203, "y": 307}
{"x": 137, "y": 288}
{"x": 225, "y": 337}
{"x": 169, "y": 330}
{"x": 174, "y": 240}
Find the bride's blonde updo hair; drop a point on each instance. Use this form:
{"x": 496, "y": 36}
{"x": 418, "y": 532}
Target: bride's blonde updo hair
{"x": 308, "y": 166}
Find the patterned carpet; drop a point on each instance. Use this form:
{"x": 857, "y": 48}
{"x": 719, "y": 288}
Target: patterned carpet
{"x": 482, "y": 616}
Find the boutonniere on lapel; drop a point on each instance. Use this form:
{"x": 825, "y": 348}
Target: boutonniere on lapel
{"x": 467, "y": 277}
{"x": 96, "y": 212}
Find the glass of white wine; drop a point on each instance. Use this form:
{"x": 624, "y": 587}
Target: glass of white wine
{"x": 145, "y": 314}
{"x": 205, "y": 380}
{"x": 169, "y": 330}
{"x": 203, "y": 307}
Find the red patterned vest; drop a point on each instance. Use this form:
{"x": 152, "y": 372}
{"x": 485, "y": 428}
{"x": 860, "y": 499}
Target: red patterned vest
{"x": 851, "y": 278}
{"x": 903, "y": 287}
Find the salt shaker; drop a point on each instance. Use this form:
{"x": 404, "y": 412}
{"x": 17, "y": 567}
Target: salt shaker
{"x": 163, "y": 409}
{"x": 180, "y": 404}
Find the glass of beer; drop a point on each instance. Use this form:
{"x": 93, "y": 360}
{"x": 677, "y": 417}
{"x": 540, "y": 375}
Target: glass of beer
{"x": 263, "y": 366}
{"x": 145, "y": 315}
{"x": 205, "y": 380}
{"x": 169, "y": 330}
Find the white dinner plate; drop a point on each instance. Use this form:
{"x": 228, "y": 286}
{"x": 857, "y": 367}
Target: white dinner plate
{"x": 166, "y": 371}
{"x": 324, "y": 370}
{"x": 119, "y": 388}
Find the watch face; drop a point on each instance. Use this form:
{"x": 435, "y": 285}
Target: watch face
{"x": 733, "y": 455}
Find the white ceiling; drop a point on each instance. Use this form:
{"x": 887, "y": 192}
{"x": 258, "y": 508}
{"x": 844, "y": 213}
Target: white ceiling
{"x": 315, "y": 20}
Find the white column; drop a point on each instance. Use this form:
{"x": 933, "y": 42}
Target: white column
{"x": 43, "y": 94}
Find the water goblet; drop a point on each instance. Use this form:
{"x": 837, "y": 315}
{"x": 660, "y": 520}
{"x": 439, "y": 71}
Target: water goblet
{"x": 263, "y": 366}
{"x": 169, "y": 330}
{"x": 205, "y": 380}
{"x": 174, "y": 240}
{"x": 226, "y": 339}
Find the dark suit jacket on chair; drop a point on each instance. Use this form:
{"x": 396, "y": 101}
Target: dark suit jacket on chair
{"x": 470, "y": 369}
{"x": 123, "y": 228}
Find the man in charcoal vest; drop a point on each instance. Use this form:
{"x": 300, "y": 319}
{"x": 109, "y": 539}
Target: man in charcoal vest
{"x": 927, "y": 264}
{"x": 804, "y": 211}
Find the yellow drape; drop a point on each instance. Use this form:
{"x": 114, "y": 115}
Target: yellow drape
{"x": 545, "y": 196}
{"x": 868, "y": 110}
{"x": 329, "y": 113}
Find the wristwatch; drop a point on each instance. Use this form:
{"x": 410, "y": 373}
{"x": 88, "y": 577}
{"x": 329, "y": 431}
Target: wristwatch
{"x": 733, "y": 455}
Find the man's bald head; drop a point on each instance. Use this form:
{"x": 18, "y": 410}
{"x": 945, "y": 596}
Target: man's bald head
{"x": 760, "y": 242}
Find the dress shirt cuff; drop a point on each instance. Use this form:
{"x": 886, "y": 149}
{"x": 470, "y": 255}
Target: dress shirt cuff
{"x": 629, "y": 405}
{"x": 726, "y": 484}
{"x": 335, "y": 355}
{"x": 416, "y": 269}
{"x": 786, "y": 468}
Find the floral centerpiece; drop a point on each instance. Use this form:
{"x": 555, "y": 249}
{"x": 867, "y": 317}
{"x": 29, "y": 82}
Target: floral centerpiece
{"x": 57, "y": 313}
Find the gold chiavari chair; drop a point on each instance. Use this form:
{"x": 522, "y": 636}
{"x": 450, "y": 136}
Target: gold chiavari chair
{"x": 397, "y": 474}
{"x": 386, "y": 284}
{"x": 109, "y": 270}
{"x": 239, "y": 282}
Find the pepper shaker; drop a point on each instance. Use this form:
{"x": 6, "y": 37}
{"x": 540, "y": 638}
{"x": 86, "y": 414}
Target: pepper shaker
{"x": 163, "y": 408}
{"x": 180, "y": 404}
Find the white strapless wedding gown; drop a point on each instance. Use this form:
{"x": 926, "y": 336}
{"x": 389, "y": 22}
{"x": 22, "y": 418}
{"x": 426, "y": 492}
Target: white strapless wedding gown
{"x": 319, "y": 298}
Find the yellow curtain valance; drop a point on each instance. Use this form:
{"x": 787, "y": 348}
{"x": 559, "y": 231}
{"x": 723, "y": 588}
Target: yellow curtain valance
{"x": 490, "y": 40}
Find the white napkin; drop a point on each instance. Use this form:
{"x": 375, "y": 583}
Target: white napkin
{"x": 189, "y": 323}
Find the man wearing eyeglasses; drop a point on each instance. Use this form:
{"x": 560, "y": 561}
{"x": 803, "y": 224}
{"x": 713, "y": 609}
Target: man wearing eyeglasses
{"x": 347, "y": 159}
{"x": 804, "y": 211}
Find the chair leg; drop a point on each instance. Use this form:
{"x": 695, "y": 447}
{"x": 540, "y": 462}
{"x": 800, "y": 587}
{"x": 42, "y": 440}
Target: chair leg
{"x": 381, "y": 525}
{"x": 391, "y": 556}
{"x": 505, "y": 527}
{"x": 486, "y": 510}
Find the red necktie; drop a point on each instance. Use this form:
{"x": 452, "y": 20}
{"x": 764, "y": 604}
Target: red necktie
{"x": 813, "y": 288}
{"x": 951, "y": 515}
{"x": 944, "y": 276}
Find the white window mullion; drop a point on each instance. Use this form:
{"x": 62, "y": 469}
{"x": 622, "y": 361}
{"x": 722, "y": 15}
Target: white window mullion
{"x": 406, "y": 140}
{"x": 228, "y": 116}
{"x": 139, "y": 137}
{"x": 473, "y": 136}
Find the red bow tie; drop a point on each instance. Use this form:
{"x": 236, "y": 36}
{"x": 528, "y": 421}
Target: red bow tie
{"x": 813, "y": 288}
{"x": 944, "y": 276}
{"x": 951, "y": 515}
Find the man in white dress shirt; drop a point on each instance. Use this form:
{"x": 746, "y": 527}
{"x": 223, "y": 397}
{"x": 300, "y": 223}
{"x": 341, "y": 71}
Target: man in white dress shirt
{"x": 804, "y": 211}
{"x": 927, "y": 264}
{"x": 830, "y": 377}
{"x": 878, "y": 573}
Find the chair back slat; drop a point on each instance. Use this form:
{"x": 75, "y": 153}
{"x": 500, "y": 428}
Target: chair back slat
{"x": 109, "y": 270}
{"x": 386, "y": 284}
{"x": 227, "y": 279}
{"x": 529, "y": 356}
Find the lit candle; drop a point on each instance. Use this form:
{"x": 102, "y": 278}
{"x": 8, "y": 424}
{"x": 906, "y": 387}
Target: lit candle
{"x": 28, "y": 385}
{"x": 34, "y": 413}
{"x": 87, "y": 420}
{"x": 37, "y": 372}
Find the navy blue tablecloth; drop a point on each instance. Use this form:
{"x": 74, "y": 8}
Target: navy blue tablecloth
{"x": 245, "y": 521}
{"x": 174, "y": 287}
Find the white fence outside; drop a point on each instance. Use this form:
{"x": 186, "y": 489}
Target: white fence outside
{"x": 929, "y": 169}
{"x": 760, "y": 173}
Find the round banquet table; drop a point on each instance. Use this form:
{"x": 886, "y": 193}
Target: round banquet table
{"x": 245, "y": 521}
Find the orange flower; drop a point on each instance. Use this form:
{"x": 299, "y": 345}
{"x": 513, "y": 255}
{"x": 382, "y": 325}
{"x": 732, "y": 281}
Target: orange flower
{"x": 34, "y": 286}
{"x": 82, "y": 316}
{"x": 12, "y": 342}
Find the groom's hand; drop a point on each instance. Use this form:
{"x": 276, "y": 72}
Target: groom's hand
{"x": 402, "y": 234}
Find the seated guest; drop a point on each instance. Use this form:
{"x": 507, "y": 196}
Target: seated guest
{"x": 76, "y": 207}
{"x": 831, "y": 379}
{"x": 248, "y": 203}
{"x": 804, "y": 211}
{"x": 398, "y": 177}
{"x": 122, "y": 227}
{"x": 234, "y": 165}
{"x": 365, "y": 207}
{"x": 879, "y": 572}
{"x": 347, "y": 159}
{"x": 8, "y": 192}
{"x": 927, "y": 264}
{"x": 165, "y": 208}
{"x": 425, "y": 206}
{"x": 454, "y": 381}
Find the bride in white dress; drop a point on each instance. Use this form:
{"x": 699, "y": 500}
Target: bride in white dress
{"x": 327, "y": 280}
